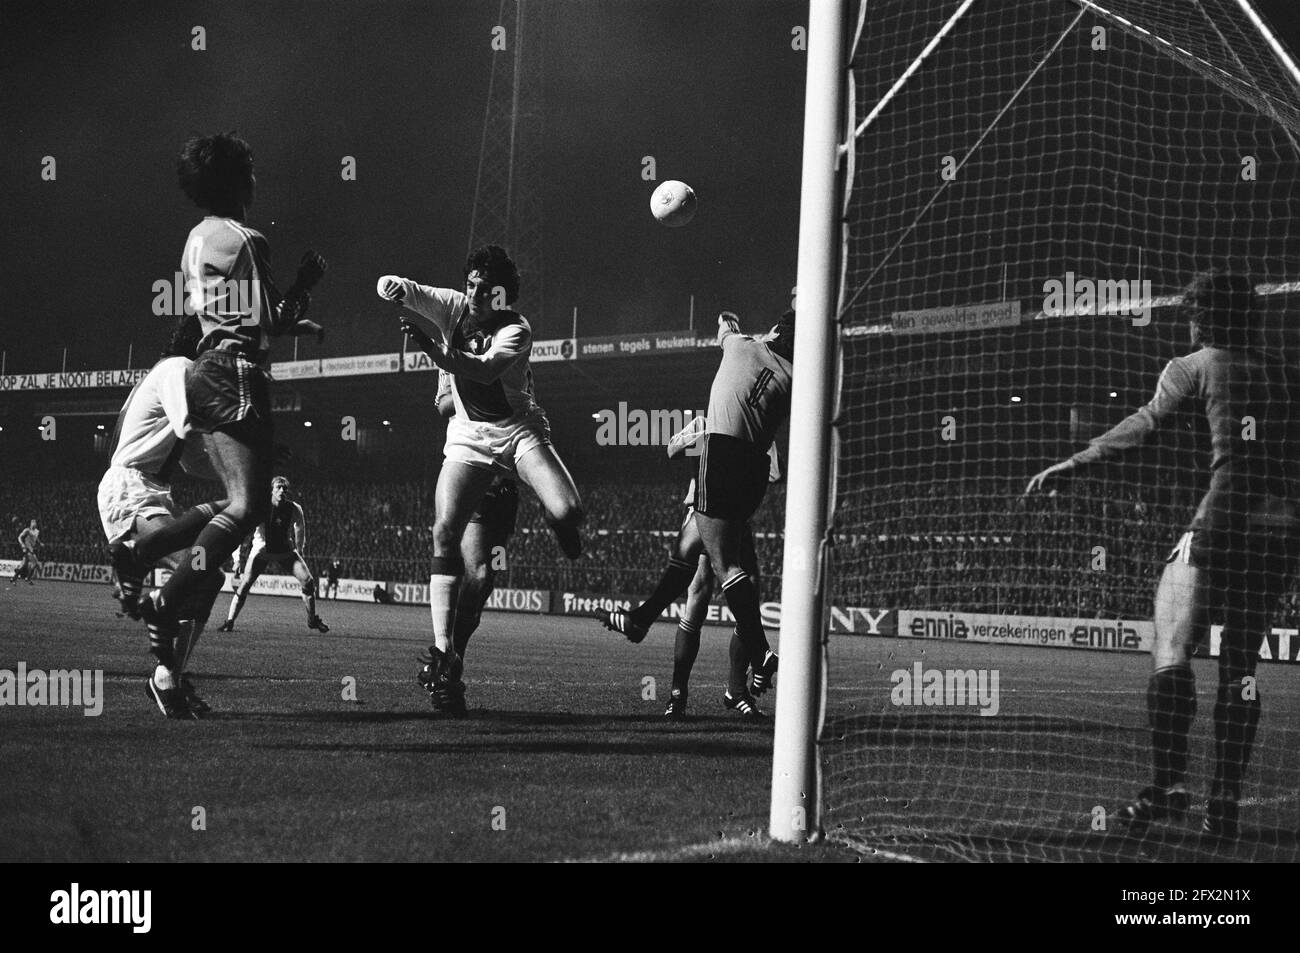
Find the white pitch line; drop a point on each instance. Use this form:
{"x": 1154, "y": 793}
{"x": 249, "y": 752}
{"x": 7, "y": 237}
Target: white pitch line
{"x": 725, "y": 845}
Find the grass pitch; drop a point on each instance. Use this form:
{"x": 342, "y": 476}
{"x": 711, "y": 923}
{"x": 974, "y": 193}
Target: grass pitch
{"x": 564, "y": 757}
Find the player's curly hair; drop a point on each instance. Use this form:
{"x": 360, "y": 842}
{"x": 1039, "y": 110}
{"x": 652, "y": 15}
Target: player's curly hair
{"x": 784, "y": 342}
{"x": 497, "y": 267}
{"x": 185, "y": 337}
{"x": 1222, "y": 306}
{"x": 214, "y": 170}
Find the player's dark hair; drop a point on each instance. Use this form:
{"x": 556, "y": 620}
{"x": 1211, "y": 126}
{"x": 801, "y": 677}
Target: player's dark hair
{"x": 1221, "y": 305}
{"x": 497, "y": 267}
{"x": 185, "y": 337}
{"x": 214, "y": 171}
{"x": 784, "y": 342}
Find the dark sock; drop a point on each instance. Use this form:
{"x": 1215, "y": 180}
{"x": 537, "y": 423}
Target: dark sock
{"x": 742, "y": 599}
{"x": 685, "y": 650}
{"x": 1236, "y": 720}
{"x": 466, "y": 624}
{"x": 1171, "y": 706}
{"x": 219, "y": 539}
{"x": 677, "y": 576}
{"x": 569, "y": 540}
{"x": 157, "y": 541}
{"x": 738, "y": 671}
{"x": 162, "y": 645}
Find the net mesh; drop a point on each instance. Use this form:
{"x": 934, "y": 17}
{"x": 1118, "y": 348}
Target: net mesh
{"x": 1133, "y": 141}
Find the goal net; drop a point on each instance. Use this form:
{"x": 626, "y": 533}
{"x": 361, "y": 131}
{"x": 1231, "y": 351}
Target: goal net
{"x": 1021, "y": 216}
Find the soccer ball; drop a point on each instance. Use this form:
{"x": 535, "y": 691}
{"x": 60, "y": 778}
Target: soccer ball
{"x": 673, "y": 203}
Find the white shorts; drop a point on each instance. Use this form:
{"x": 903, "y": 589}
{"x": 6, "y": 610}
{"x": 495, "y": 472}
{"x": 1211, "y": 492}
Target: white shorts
{"x": 496, "y": 446}
{"x": 125, "y": 494}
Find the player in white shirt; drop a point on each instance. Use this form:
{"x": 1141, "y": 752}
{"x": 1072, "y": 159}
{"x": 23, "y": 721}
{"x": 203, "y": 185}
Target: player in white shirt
{"x": 498, "y": 427}
{"x": 135, "y": 496}
{"x": 30, "y": 541}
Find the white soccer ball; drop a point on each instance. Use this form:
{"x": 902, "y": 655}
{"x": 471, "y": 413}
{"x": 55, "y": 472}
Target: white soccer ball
{"x": 673, "y": 203}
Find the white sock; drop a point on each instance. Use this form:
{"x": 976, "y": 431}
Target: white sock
{"x": 163, "y": 678}
{"x": 443, "y": 591}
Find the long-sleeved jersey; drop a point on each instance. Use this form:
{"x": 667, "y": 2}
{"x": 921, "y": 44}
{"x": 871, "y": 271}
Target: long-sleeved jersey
{"x": 228, "y": 285}
{"x": 1252, "y": 406}
{"x": 481, "y": 393}
{"x": 152, "y": 426}
{"x": 750, "y": 396}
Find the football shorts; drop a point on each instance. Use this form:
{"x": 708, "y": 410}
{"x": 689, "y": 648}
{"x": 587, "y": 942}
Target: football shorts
{"x": 224, "y": 388}
{"x": 124, "y": 494}
{"x": 496, "y": 446}
{"x": 732, "y": 478}
{"x": 499, "y": 510}
{"x": 1244, "y": 566}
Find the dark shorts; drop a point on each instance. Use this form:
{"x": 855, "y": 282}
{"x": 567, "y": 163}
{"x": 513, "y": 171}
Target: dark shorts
{"x": 1246, "y": 568}
{"x": 499, "y": 510}
{"x": 732, "y": 478}
{"x": 224, "y": 389}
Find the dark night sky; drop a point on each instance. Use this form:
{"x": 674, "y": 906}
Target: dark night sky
{"x": 712, "y": 90}
{"x": 110, "y": 89}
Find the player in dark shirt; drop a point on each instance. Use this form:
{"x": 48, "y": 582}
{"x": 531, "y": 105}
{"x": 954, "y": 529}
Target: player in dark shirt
{"x": 748, "y": 402}
{"x": 278, "y": 543}
{"x": 1236, "y": 557}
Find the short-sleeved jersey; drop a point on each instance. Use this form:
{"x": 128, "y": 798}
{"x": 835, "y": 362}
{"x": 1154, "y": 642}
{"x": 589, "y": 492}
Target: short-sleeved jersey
{"x": 750, "y": 397}
{"x": 29, "y": 538}
{"x": 228, "y": 285}
{"x": 276, "y": 534}
{"x": 509, "y": 395}
{"x": 152, "y": 426}
{"x": 1252, "y": 406}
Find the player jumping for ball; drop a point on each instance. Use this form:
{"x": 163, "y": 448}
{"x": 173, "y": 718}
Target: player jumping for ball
{"x": 149, "y": 443}
{"x": 498, "y": 429}
{"x": 688, "y": 550}
{"x": 278, "y": 543}
{"x": 748, "y": 402}
{"x": 482, "y": 549}
{"x": 1238, "y": 554}
{"x": 230, "y": 288}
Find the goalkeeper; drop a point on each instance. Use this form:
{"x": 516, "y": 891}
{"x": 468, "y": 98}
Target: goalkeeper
{"x": 1237, "y": 555}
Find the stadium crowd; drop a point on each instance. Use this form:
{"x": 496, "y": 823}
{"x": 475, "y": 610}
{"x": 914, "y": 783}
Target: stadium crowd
{"x": 1094, "y": 549}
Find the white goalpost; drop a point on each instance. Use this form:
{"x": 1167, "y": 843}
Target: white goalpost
{"x": 960, "y": 157}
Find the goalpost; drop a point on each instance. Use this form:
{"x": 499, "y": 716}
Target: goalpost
{"x": 1001, "y": 202}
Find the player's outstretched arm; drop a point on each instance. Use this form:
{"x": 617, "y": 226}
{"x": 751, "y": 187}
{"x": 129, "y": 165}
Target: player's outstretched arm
{"x": 436, "y": 304}
{"x": 292, "y": 311}
{"x": 1052, "y": 473}
{"x": 510, "y": 345}
{"x": 728, "y": 324}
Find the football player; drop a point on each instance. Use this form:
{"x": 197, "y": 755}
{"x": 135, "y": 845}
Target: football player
{"x": 1238, "y": 553}
{"x": 278, "y": 543}
{"x": 134, "y": 497}
{"x": 482, "y": 550}
{"x": 239, "y": 308}
{"x": 498, "y": 429}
